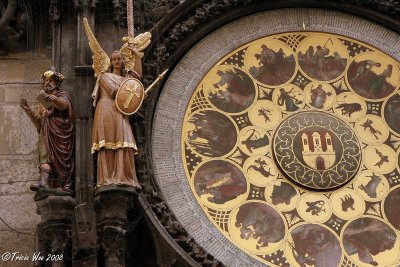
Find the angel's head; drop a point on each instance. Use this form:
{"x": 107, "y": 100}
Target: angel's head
{"x": 117, "y": 64}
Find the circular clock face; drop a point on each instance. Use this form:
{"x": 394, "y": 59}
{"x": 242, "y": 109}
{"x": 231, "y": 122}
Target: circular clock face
{"x": 290, "y": 145}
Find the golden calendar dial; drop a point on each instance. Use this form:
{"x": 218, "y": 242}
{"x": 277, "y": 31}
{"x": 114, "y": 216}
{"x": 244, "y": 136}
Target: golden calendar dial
{"x": 292, "y": 150}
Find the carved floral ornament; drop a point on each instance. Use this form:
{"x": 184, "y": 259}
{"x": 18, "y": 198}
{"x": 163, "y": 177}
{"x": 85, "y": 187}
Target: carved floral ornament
{"x": 290, "y": 136}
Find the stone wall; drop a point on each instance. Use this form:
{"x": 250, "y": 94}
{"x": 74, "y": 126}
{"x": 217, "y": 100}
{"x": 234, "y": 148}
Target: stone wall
{"x": 20, "y": 76}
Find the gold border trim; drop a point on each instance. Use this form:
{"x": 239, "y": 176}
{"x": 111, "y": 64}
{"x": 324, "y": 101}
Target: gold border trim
{"x": 141, "y": 97}
{"x": 113, "y": 146}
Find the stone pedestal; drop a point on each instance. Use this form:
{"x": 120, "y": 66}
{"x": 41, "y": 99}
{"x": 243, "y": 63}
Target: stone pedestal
{"x": 112, "y": 205}
{"x": 84, "y": 252}
{"x": 55, "y": 230}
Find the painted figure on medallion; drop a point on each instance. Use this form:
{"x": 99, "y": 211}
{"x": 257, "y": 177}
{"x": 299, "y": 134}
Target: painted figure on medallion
{"x": 260, "y": 170}
{"x": 349, "y": 106}
{"x": 289, "y": 97}
{"x": 253, "y": 140}
{"x": 54, "y": 120}
{"x": 219, "y": 181}
{"x": 211, "y": 133}
{"x": 289, "y": 101}
{"x": 275, "y": 65}
{"x": 319, "y": 96}
{"x": 112, "y": 137}
{"x": 372, "y": 79}
{"x": 234, "y": 91}
{"x": 347, "y": 204}
{"x": 283, "y": 193}
{"x": 264, "y": 114}
{"x": 313, "y": 245}
{"x": 392, "y": 208}
{"x": 260, "y": 222}
{"x": 371, "y": 185}
{"x": 348, "y": 109}
{"x": 319, "y": 64}
{"x": 380, "y": 158}
{"x": 392, "y": 113}
{"x": 367, "y": 238}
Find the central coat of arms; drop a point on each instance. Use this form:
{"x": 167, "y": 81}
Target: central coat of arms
{"x": 317, "y": 150}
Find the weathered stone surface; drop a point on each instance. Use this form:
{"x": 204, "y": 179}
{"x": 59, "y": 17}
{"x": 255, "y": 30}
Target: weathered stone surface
{"x": 19, "y": 212}
{"x": 28, "y": 136}
{"x": 112, "y": 206}
{"x": 14, "y": 92}
{"x": 17, "y": 134}
{"x": 9, "y": 137}
{"x": 16, "y": 242}
{"x": 13, "y": 171}
{"x": 20, "y": 77}
{"x": 22, "y": 69}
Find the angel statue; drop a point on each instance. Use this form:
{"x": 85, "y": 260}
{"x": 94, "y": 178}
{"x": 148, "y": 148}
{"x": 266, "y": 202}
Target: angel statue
{"x": 117, "y": 94}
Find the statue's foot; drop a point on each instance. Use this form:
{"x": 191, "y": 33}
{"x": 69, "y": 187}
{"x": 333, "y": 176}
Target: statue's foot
{"x": 66, "y": 189}
{"x": 34, "y": 187}
{"x": 43, "y": 184}
{"x": 44, "y": 177}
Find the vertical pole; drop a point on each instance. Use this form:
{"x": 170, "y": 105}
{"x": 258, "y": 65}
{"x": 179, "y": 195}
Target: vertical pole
{"x": 84, "y": 242}
{"x": 130, "y": 20}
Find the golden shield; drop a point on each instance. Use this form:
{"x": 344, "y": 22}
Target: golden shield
{"x": 130, "y": 96}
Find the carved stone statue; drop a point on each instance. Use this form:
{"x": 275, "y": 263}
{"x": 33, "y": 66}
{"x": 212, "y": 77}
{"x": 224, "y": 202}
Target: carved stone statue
{"x": 112, "y": 137}
{"x": 14, "y": 23}
{"x": 55, "y": 125}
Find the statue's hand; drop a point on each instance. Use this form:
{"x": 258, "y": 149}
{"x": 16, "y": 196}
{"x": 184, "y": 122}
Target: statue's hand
{"x": 134, "y": 50}
{"x": 50, "y": 97}
{"x": 24, "y": 104}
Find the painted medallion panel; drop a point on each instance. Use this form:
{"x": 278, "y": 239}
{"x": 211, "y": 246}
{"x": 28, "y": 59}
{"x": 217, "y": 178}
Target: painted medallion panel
{"x": 291, "y": 147}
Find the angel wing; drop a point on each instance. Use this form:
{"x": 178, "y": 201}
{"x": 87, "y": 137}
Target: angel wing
{"x": 139, "y": 42}
{"x": 101, "y": 61}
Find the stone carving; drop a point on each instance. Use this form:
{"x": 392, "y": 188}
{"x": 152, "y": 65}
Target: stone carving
{"x": 14, "y": 22}
{"x": 54, "y": 11}
{"x": 177, "y": 232}
{"x": 146, "y": 13}
{"x": 85, "y": 3}
{"x": 388, "y": 7}
{"x": 112, "y": 209}
{"x": 54, "y": 120}
{"x": 55, "y": 228}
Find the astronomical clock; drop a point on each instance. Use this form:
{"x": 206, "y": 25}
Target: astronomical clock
{"x": 284, "y": 139}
